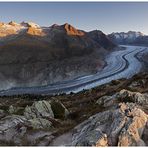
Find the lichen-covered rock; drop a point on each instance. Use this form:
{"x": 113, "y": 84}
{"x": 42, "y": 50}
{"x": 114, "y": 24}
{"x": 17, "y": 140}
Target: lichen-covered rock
{"x": 39, "y": 109}
{"x": 40, "y": 123}
{"x": 46, "y": 109}
{"x": 104, "y": 128}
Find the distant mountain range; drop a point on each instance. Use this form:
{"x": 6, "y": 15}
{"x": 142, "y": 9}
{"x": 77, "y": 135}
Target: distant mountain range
{"x": 31, "y": 55}
{"x": 131, "y": 37}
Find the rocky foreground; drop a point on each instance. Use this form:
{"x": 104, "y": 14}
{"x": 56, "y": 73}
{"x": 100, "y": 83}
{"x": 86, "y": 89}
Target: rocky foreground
{"x": 115, "y": 114}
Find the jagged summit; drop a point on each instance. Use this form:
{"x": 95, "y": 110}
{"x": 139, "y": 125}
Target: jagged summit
{"x": 54, "y": 25}
{"x": 12, "y": 23}
{"x": 24, "y": 24}
{"x": 72, "y": 30}
{"x": 32, "y": 28}
{"x": 29, "y": 24}
{"x": 129, "y": 34}
{"x": 125, "y": 37}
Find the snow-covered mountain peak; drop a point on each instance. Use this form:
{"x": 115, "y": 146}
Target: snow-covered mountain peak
{"x": 127, "y": 35}
{"x": 30, "y": 24}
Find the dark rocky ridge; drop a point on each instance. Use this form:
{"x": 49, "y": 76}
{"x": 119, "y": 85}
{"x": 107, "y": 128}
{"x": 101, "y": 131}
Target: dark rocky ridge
{"x": 35, "y": 55}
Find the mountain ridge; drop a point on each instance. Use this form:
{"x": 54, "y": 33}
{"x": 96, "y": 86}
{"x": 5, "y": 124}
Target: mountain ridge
{"x": 34, "y": 56}
{"x": 130, "y": 37}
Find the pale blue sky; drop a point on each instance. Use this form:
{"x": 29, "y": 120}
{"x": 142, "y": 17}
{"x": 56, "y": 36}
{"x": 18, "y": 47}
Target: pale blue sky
{"x": 106, "y": 16}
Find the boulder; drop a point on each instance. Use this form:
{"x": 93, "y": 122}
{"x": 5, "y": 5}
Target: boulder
{"x": 39, "y": 109}
{"x": 126, "y": 121}
{"x": 46, "y": 109}
{"x": 59, "y": 109}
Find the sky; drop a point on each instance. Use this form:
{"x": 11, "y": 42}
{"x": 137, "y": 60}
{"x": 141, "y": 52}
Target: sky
{"x": 105, "y": 16}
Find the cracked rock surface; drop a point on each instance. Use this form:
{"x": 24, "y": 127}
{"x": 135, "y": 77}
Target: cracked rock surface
{"x": 123, "y": 123}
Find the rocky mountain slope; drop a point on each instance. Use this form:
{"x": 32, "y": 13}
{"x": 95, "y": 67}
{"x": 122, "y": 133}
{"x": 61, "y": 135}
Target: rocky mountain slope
{"x": 31, "y": 55}
{"x": 141, "y": 40}
{"x": 131, "y": 37}
{"x": 76, "y": 119}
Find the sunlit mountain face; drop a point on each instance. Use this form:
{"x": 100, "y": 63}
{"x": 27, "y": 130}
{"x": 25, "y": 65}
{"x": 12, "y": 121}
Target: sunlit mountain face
{"x": 32, "y": 55}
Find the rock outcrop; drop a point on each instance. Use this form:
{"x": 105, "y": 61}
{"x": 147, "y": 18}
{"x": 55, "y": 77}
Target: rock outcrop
{"x": 123, "y": 124}
{"x": 70, "y": 30}
{"x": 123, "y": 96}
{"x": 39, "y": 109}
{"x": 12, "y": 129}
{"x": 35, "y": 127}
{"x": 16, "y": 130}
{"x": 59, "y": 110}
{"x": 35, "y": 31}
{"x": 46, "y": 109}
